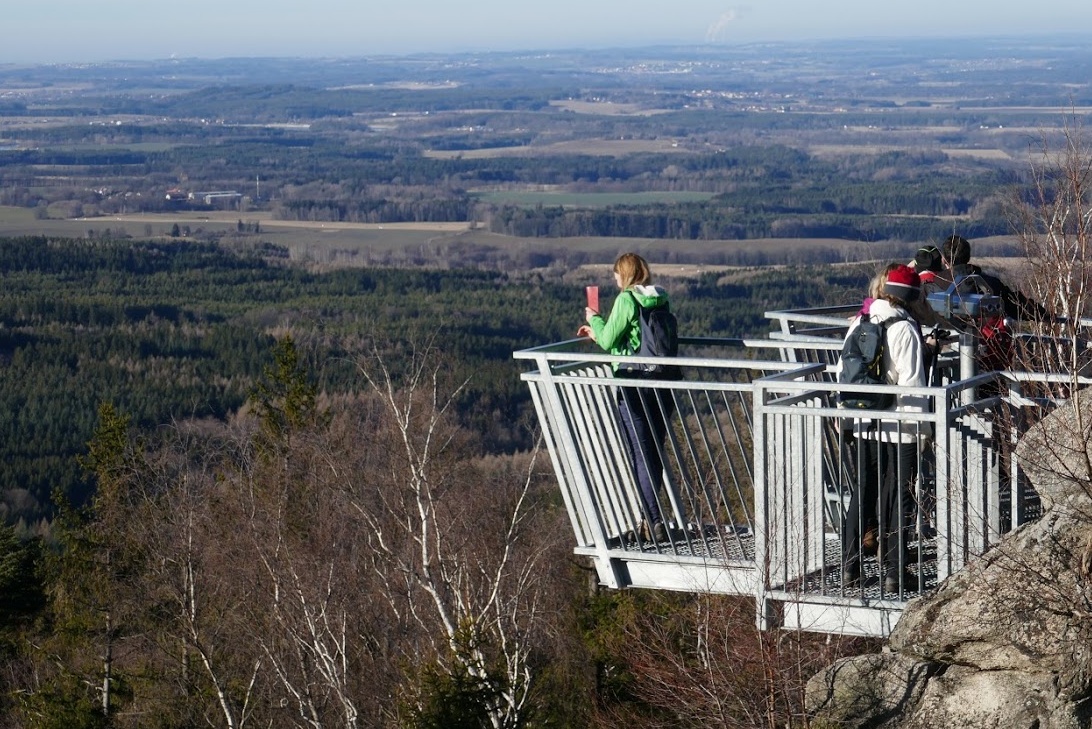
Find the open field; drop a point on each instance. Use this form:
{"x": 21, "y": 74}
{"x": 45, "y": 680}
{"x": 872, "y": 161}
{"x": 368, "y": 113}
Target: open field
{"x": 601, "y": 272}
{"x": 355, "y": 241}
{"x": 364, "y": 244}
{"x": 593, "y": 147}
{"x": 588, "y": 199}
{"x": 839, "y": 150}
{"x": 128, "y": 147}
{"x": 46, "y": 121}
{"x": 991, "y": 154}
{"x": 13, "y": 219}
{"x": 328, "y": 243}
{"x": 606, "y": 108}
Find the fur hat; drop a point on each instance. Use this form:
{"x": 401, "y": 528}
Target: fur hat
{"x": 927, "y": 259}
{"x": 957, "y": 250}
{"x": 903, "y": 283}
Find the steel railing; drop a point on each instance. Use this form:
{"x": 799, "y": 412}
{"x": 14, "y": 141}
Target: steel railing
{"x": 758, "y": 467}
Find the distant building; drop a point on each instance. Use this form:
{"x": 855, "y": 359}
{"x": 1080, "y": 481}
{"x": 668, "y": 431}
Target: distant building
{"x": 210, "y": 197}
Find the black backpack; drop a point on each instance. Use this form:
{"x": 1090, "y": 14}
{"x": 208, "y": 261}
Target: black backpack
{"x": 659, "y": 338}
{"x": 862, "y": 364}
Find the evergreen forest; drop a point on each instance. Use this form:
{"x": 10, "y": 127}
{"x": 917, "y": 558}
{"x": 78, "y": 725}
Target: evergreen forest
{"x": 196, "y": 429}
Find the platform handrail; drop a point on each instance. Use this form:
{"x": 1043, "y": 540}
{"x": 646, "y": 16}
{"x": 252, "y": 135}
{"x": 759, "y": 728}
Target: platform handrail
{"x": 756, "y": 478}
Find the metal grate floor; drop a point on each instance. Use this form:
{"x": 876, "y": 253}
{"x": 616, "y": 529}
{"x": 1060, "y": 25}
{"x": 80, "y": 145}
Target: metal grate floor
{"x": 726, "y": 543}
{"x": 828, "y": 581}
{"x": 738, "y": 545}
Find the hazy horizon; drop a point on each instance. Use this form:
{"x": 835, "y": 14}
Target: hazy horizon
{"x": 74, "y": 31}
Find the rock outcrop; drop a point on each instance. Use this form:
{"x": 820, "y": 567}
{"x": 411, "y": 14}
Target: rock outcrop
{"x": 1007, "y": 642}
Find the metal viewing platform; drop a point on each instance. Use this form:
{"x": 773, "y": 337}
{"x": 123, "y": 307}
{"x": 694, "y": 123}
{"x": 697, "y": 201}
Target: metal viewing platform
{"x": 759, "y": 465}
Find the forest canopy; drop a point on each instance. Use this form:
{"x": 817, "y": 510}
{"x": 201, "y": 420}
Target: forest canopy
{"x": 179, "y": 329}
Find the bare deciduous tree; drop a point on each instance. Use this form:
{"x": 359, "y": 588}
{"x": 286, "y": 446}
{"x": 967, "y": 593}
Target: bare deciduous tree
{"x": 700, "y": 660}
{"x": 191, "y": 526}
{"x": 317, "y": 562}
{"x": 1054, "y": 222}
{"x": 458, "y": 547}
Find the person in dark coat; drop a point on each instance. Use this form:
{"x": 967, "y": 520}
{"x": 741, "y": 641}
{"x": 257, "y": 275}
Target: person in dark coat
{"x": 956, "y": 263}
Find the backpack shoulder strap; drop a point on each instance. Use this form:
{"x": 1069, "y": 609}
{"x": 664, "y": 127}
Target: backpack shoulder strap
{"x": 638, "y": 310}
{"x": 893, "y": 320}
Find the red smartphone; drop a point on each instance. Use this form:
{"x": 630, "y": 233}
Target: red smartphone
{"x": 592, "y": 293}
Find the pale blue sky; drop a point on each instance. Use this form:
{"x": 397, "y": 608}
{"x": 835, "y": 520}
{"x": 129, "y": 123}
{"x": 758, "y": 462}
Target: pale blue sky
{"x": 85, "y": 30}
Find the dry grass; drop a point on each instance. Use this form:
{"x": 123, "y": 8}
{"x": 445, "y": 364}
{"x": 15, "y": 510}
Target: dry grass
{"x": 342, "y": 244}
{"x": 266, "y": 220}
{"x": 998, "y": 154}
{"x": 606, "y": 108}
{"x": 841, "y": 150}
{"x": 594, "y": 147}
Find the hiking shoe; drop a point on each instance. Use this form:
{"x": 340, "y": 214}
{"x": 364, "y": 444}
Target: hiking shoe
{"x": 659, "y": 532}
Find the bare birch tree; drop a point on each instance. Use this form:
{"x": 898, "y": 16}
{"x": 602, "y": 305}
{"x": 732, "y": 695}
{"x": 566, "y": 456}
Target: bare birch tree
{"x": 190, "y": 526}
{"x": 1054, "y": 222}
{"x": 389, "y": 560}
{"x": 456, "y": 547}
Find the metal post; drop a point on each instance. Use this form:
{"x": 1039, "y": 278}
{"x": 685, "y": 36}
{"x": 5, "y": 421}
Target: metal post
{"x": 968, "y": 343}
{"x": 764, "y": 617}
{"x": 943, "y": 442}
{"x": 607, "y": 568}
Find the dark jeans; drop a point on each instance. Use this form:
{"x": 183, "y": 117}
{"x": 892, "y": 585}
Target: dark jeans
{"x": 645, "y": 413}
{"x": 883, "y": 503}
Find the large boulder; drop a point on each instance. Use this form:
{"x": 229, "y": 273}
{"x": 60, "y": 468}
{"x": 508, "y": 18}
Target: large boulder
{"x": 870, "y": 690}
{"x": 889, "y": 691}
{"x": 1006, "y": 642}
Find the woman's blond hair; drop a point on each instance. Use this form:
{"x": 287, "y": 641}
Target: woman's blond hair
{"x": 875, "y": 286}
{"x": 633, "y": 270}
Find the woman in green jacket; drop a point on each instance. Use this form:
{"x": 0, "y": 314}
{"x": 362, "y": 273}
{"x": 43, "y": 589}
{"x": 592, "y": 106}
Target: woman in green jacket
{"x": 644, "y": 411}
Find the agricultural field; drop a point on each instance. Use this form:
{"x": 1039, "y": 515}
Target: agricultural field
{"x": 746, "y": 154}
{"x": 340, "y": 244}
{"x": 588, "y": 199}
{"x": 457, "y": 245}
{"x": 593, "y": 147}
{"x": 606, "y": 108}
